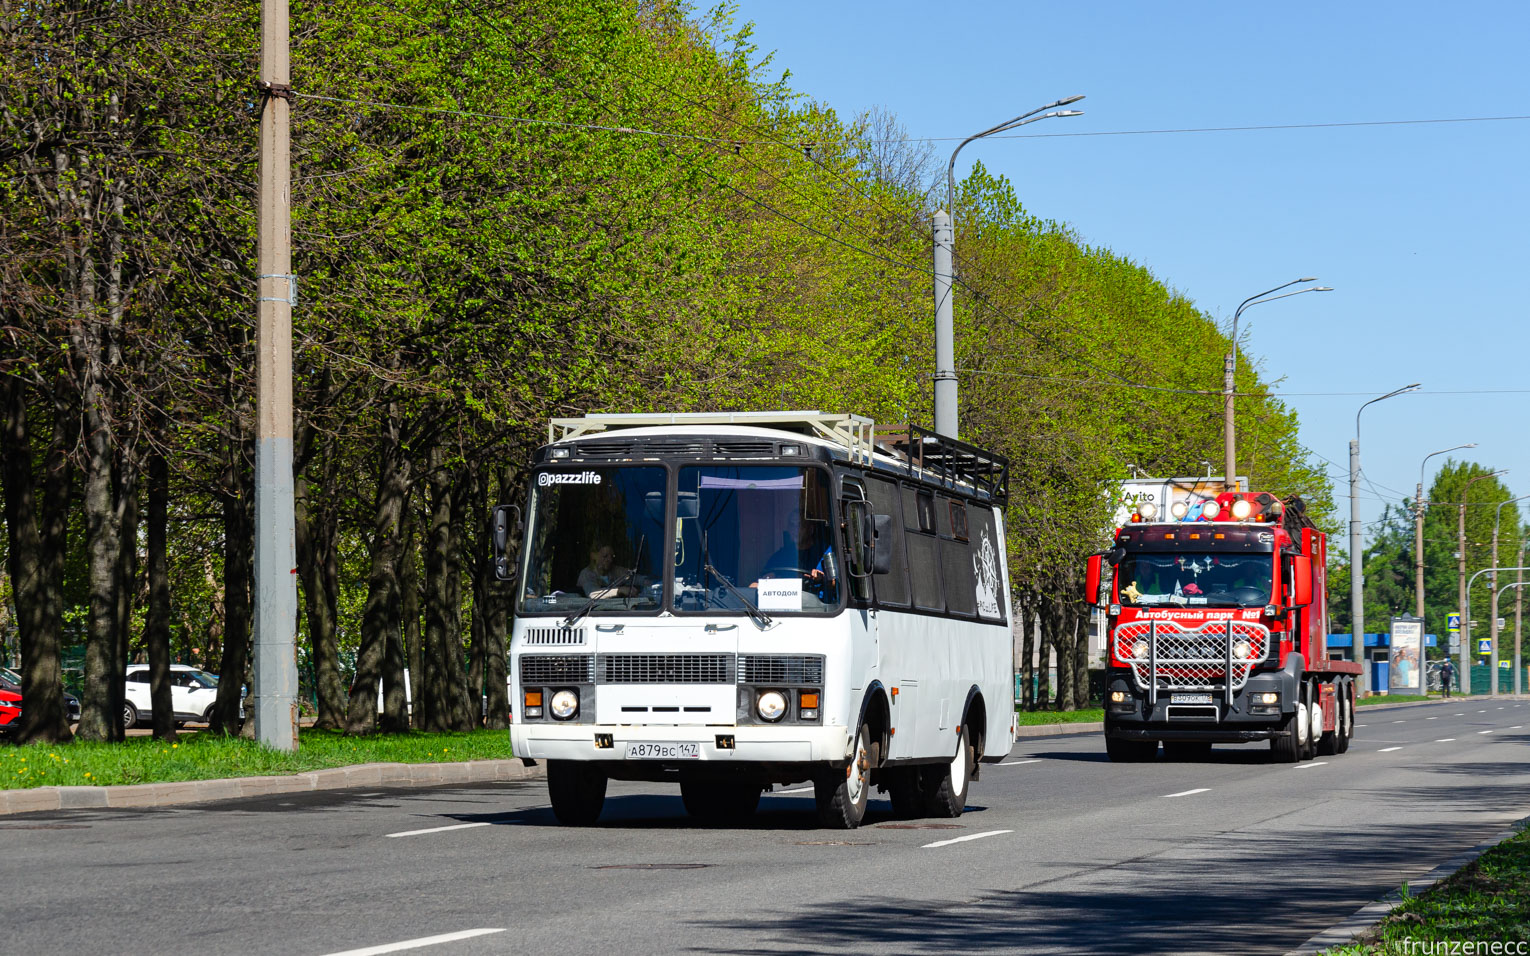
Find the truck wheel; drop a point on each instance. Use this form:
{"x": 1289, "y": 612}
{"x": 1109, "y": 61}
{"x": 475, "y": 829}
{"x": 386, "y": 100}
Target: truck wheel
{"x": 1328, "y": 742}
{"x": 842, "y": 794}
{"x": 720, "y": 801}
{"x": 905, "y": 791}
{"x": 577, "y": 791}
{"x": 1130, "y": 751}
{"x": 1185, "y": 750}
{"x": 945, "y": 785}
{"x": 1346, "y": 717}
{"x": 1288, "y": 748}
{"x": 1314, "y": 722}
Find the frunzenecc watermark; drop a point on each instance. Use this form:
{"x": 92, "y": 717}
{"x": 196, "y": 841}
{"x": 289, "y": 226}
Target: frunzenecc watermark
{"x": 1464, "y": 947}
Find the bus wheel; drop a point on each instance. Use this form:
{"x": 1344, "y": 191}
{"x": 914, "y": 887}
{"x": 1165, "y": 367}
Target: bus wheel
{"x": 577, "y": 791}
{"x": 904, "y": 790}
{"x": 945, "y": 785}
{"x": 841, "y": 794}
{"x": 1130, "y": 751}
{"x": 720, "y": 801}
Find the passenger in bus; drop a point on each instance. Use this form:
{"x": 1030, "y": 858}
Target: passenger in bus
{"x": 604, "y": 578}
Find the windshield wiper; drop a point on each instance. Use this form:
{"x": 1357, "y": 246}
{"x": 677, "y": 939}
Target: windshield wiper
{"x": 755, "y": 614}
{"x": 589, "y": 604}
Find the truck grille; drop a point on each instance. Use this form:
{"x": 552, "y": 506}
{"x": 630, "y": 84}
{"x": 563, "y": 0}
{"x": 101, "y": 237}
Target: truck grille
{"x": 558, "y": 669}
{"x": 783, "y": 669}
{"x": 1182, "y": 658}
{"x": 666, "y": 669}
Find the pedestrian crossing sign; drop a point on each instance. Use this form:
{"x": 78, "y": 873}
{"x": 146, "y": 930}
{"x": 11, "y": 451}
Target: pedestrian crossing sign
{"x": 1453, "y": 622}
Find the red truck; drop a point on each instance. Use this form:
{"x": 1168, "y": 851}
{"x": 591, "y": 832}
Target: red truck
{"x": 1217, "y": 632}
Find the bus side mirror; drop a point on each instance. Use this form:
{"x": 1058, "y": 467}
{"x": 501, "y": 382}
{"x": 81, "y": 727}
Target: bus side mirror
{"x": 507, "y": 520}
{"x": 1301, "y": 580}
{"x": 881, "y": 544}
{"x": 1092, "y": 579}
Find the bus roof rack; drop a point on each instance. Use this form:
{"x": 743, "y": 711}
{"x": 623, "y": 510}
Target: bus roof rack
{"x": 948, "y": 461}
{"x": 853, "y": 432}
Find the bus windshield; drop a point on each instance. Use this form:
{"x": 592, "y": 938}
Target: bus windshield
{"x": 595, "y": 535}
{"x": 1156, "y": 579}
{"x": 766, "y": 530}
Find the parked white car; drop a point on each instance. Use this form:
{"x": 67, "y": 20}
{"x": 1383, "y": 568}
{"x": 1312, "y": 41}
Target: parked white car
{"x": 193, "y": 692}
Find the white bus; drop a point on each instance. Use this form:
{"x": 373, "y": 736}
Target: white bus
{"x": 735, "y": 601}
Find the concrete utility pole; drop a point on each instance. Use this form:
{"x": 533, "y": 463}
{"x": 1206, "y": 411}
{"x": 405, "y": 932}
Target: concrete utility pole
{"x": 275, "y": 691}
{"x": 1418, "y": 532}
{"x": 1461, "y": 583}
{"x": 1519, "y": 603}
{"x": 1230, "y": 365}
{"x": 1493, "y": 624}
{"x": 945, "y": 244}
{"x": 1466, "y": 618}
{"x": 1356, "y": 554}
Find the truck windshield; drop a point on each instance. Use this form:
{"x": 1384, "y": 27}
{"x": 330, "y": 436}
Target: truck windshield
{"x": 1195, "y": 579}
{"x": 766, "y": 529}
{"x": 595, "y": 537}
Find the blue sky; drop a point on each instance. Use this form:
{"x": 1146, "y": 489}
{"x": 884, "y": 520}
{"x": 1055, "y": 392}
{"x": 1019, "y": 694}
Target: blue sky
{"x": 1421, "y": 229}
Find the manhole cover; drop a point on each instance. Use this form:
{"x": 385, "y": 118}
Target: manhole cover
{"x": 921, "y": 826}
{"x": 45, "y": 826}
{"x": 830, "y": 843}
{"x": 651, "y": 866}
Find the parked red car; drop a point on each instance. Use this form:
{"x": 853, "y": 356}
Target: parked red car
{"x": 10, "y": 709}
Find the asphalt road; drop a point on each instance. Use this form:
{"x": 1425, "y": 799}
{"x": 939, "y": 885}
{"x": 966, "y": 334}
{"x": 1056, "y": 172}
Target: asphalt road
{"x": 1059, "y": 851}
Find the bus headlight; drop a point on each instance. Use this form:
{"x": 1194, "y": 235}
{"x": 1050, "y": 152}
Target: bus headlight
{"x": 771, "y": 705}
{"x": 1242, "y": 651}
{"x": 565, "y": 704}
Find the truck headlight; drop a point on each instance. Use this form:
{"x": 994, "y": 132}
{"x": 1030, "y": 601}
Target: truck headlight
{"x": 565, "y": 704}
{"x": 771, "y": 705}
{"x": 1140, "y": 651}
{"x": 1242, "y": 651}
{"x": 1267, "y": 697}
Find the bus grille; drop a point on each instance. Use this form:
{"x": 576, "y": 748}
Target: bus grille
{"x": 666, "y": 669}
{"x": 783, "y": 669}
{"x": 558, "y": 669}
{"x": 1198, "y": 658}
{"x": 553, "y": 635}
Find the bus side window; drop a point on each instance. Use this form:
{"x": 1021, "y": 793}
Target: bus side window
{"x": 892, "y": 587}
{"x": 923, "y": 549}
{"x": 956, "y": 558}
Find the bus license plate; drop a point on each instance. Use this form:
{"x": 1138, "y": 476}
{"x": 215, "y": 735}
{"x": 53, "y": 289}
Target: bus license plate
{"x": 1190, "y": 699}
{"x": 676, "y": 751}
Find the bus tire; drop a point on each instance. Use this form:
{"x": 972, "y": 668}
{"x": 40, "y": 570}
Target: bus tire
{"x": 1130, "y": 751}
{"x": 841, "y": 794}
{"x": 577, "y": 791}
{"x": 904, "y": 789}
{"x": 945, "y": 784}
{"x": 720, "y": 801}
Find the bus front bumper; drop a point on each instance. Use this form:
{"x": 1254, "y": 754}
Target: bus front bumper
{"x": 614, "y": 743}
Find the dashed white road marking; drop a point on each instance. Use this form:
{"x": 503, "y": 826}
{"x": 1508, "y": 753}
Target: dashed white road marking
{"x": 1481, "y": 711}
{"x": 1518, "y": 727}
{"x": 1360, "y": 725}
{"x": 1315, "y": 763}
{"x": 1386, "y": 749}
{"x": 1431, "y": 718}
{"x": 458, "y": 826}
{"x": 418, "y": 943}
{"x": 794, "y": 790}
{"x": 1186, "y": 793}
{"x": 1462, "y": 714}
{"x": 1016, "y": 763}
{"x": 1484, "y": 731}
{"x": 1444, "y": 740}
{"x": 964, "y": 839}
{"x": 1399, "y": 721}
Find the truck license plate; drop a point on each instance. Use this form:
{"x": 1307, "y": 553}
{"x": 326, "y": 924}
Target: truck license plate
{"x": 1190, "y": 699}
{"x": 670, "y": 751}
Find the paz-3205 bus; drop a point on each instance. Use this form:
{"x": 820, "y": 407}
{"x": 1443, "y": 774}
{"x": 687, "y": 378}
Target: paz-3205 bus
{"x": 734, "y": 601}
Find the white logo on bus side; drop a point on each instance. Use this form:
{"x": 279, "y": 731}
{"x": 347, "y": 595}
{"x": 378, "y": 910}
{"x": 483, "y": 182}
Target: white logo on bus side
{"x": 985, "y": 568}
{"x": 546, "y": 478}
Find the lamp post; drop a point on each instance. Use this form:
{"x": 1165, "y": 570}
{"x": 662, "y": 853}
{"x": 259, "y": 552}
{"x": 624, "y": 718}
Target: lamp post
{"x": 1229, "y": 475}
{"x": 1493, "y": 624}
{"x": 945, "y": 241}
{"x": 1462, "y": 597}
{"x": 1418, "y": 530}
{"x": 1356, "y": 559}
{"x": 1519, "y": 604}
{"x": 1466, "y": 618}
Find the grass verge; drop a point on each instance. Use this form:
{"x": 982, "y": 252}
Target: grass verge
{"x": 1029, "y": 718}
{"x": 1394, "y": 699}
{"x": 203, "y": 756}
{"x": 1486, "y": 901}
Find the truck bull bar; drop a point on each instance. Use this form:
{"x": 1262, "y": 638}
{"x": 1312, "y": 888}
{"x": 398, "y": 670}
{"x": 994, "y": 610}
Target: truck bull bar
{"x": 1215, "y": 656}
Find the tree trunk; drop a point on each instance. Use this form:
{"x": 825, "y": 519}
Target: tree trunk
{"x": 382, "y": 582}
{"x": 99, "y": 720}
{"x": 1024, "y": 620}
{"x": 440, "y": 607}
{"x": 315, "y": 538}
{"x": 126, "y": 473}
{"x": 409, "y": 585}
{"x": 1063, "y": 640}
{"x": 1080, "y": 657}
{"x": 238, "y": 570}
{"x": 466, "y": 700}
{"x": 157, "y": 623}
{"x": 395, "y": 715}
{"x": 35, "y": 560}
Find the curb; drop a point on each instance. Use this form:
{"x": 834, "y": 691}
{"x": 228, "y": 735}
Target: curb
{"x": 1057, "y": 730}
{"x": 41, "y": 799}
{"x": 1366, "y": 917}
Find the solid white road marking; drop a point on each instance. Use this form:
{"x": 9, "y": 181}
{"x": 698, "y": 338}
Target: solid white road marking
{"x": 1315, "y": 763}
{"x": 964, "y": 839}
{"x": 417, "y": 943}
{"x": 1016, "y": 763}
{"x": 1385, "y": 749}
{"x": 459, "y": 826}
{"x": 1186, "y": 793}
{"x": 1444, "y": 740}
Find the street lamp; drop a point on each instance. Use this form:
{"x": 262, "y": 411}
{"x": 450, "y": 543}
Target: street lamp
{"x": 1229, "y": 479}
{"x": 1466, "y": 618}
{"x": 1493, "y": 656}
{"x": 945, "y": 335}
{"x": 1356, "y": 559}
{"x": 1462, "y": 597}
{"x": 1418, "y": 529}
